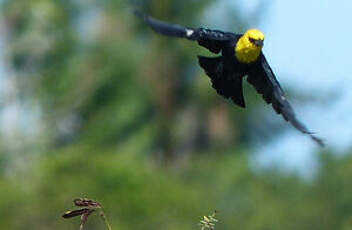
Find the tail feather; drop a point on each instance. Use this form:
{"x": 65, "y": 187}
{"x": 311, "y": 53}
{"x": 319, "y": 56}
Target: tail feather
{"x": 226, "y": 84}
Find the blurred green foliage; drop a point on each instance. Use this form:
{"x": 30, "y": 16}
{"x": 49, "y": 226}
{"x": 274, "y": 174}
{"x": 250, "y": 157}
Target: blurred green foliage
{"x": 138, "y": 195}
{"x": 126, "y": 117}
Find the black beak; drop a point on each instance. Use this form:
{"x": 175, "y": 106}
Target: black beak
{"x": 258, "y": 42}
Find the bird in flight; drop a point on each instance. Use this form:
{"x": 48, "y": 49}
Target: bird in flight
{"x": 241, "y": 55}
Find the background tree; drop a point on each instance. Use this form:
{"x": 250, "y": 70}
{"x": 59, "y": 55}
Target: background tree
{"x": 104, "y": 102}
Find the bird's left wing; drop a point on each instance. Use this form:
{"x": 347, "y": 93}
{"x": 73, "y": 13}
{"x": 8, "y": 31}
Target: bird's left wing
{"x": 263, "y": 79}
{"x": 213, "y": 40}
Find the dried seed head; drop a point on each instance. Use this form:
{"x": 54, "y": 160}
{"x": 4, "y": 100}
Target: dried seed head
{"x": 83, "y": 202}
{"x": 70, "y": 214}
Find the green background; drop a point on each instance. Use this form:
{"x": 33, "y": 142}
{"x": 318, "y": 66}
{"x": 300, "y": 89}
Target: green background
{"x": 113, "y": 112}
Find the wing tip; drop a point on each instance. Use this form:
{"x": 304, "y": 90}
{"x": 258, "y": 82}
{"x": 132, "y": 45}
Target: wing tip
{"x": 318, "y": 140}
{"x": 312, "y": 135}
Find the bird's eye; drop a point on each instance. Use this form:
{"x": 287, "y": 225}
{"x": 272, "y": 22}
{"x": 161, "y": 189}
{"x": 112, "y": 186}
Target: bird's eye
{"x": 252, "y": 40}
{"x": 256, "y": 42}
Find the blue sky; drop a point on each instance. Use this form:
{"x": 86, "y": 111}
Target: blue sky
{"x": 308, "y": 44}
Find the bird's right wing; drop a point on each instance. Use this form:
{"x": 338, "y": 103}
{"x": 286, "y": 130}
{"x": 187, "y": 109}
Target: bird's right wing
{"x": 263, "y": 79}
{"x": 213, "y": 40}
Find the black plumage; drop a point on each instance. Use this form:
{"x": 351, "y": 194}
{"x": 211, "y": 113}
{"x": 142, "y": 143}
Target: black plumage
{"x": 226, "y": 72}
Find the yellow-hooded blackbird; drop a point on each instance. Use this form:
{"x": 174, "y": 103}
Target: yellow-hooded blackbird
{"x": 241, "y": 55}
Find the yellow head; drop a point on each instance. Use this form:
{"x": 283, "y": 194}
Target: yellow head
{"x": 254, "y": 35}
{"x": 249, "y": 46}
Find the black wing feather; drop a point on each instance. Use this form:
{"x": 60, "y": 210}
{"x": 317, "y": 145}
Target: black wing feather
{"x": 165, "y": 28}
{"x": 263, "y": 79}
{"x": 213, "y": 40}
{"x": 224, "y": 82}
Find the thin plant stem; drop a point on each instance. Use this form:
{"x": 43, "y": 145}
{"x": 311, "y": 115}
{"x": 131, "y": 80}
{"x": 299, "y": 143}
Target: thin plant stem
{"x": 108, "y": 226}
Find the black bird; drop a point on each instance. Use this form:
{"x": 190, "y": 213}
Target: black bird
{"x": 241, "y": 55}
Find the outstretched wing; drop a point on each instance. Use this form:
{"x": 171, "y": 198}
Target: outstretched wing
{"x": 263, "y": 79}
{"x": 213, "y": 40}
